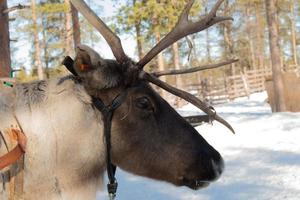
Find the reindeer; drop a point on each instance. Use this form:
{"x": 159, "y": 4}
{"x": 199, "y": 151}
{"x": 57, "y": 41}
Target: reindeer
{"x": 66, "y": 152}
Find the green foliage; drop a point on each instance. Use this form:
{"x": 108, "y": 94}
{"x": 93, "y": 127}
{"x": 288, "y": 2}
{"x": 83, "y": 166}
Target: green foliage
{"x": 51, "y": 27}
{"x": 53, "y": 8}
{"x": 152, "y": 14}
{"x": 88, "y": 33}
{"x": 152, "y": 17}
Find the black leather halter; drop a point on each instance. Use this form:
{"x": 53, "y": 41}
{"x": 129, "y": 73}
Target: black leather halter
{"x": 107, "y": 114}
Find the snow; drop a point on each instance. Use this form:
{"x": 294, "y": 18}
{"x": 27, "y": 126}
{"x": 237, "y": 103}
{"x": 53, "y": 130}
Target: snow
{"x": 262, "y": 159}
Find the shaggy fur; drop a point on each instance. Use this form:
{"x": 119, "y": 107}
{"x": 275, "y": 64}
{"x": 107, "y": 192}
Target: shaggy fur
{"x": 58, "y": 151}
{"x": 98, "y": 73}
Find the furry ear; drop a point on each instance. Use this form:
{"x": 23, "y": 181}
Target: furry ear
{"x": 86, "y": 59}
{"x": 96, "y": 73}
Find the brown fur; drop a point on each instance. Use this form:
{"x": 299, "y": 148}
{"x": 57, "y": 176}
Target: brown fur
{"x": 65, "y": 157}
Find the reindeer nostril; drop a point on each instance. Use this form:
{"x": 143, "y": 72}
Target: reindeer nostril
{"x": 218, "y": 167}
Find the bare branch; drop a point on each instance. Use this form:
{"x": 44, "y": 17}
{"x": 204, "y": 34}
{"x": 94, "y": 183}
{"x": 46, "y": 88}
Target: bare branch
{"x": 17, "y": 7}
{"x": 111, "y": 38}
{"x": 183, "y": 28}
{"x": 194, "y": 69}
{"x": 186, "y": 96}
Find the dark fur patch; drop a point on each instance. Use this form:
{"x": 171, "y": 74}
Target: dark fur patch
{"x": 32, "y": 93}
{"x": 57, "y": 186}
{"x": 69, "y": 77}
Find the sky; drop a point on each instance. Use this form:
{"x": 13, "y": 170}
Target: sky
{"x": 128, "y": 41}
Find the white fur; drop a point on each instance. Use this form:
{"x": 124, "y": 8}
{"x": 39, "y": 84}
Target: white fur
{"x": 65, "y": 141}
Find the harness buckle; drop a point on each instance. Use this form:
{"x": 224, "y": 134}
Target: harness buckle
{"x": 112, "y": 190}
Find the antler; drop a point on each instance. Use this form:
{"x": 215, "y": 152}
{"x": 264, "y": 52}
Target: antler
{"x": 112, "y": 39}
{"x": 183, "y": 28}
{"x": 186, "y": 96}
{"x": 194, "y": 69}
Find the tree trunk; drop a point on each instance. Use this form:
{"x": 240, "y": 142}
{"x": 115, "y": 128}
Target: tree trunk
{"x": 5, "y": 62}
{"x": 69, "y": 50}
{"x": 207, "y": 42}
{"x": 138, "y": 34}
{"x": 160, "y": 61}
{"x": 293, "y": 33}
{"x": 37, "y": 55}
{"x": 207, "y": 46}
{"x": 259, "y": 36}
{"x": 249, "y": 37}
{"x": 76, "y": 26}
{"x": 160, "y": 58}
{"x": 275, "y": 55}
{"x": 139, "y": 40}
{"x": 176, "y": 61}
{"x": 280, "y": 40}
{"x": 45, "y": 47}
{"x": 178, "y": 78}
{"x": 227, "y": 33}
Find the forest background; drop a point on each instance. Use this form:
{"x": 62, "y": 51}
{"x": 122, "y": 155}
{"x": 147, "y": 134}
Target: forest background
{"x": 42, "y": 32}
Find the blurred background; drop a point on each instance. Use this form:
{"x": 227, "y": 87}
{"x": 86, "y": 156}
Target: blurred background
{"x": 41, "y": 33}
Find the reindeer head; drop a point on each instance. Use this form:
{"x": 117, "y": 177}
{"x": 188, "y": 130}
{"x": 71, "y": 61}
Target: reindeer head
{"x": 149, "y": 137}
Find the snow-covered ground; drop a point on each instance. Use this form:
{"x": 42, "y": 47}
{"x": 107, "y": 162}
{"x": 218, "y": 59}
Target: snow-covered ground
{"x": 262, "y": 159}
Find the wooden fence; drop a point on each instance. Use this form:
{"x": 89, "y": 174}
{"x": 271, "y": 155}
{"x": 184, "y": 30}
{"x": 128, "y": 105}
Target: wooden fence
{"x": 221, "y": 90}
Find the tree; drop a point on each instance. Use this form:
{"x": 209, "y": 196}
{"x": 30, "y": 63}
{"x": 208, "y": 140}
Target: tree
{"x": 227, "y": 33}
{"x": 293, "y": 31}
{"x": 76, "y": 26}
{"x": 176, "y": 63}
{"x": 272, "y": 20}
{"x": 157, "y": 17}
{"x": 5, "y": 60}
{"x": 248, "y": 33}
{"x": 259, "y": 29}
{"x": 69, "y": 50}
{"x": 38, "y": 62}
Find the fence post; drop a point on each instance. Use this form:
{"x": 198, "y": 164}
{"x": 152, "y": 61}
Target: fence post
{"x": 245, "y": 83}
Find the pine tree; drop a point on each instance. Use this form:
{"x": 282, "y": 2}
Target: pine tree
{"x": 272, "y": 20}
{"x": 5, "y": 60}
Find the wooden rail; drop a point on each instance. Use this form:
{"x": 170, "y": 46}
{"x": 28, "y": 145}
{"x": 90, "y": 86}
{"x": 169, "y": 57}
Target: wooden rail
{"x": 224, "y": 89}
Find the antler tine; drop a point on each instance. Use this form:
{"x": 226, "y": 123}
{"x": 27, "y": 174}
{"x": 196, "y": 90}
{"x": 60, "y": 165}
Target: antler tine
{"x": 186, "y": 96}
{"x": 194, "y": 69}
{"x": 111, "y": 38}
{"x": 183, "y": 28}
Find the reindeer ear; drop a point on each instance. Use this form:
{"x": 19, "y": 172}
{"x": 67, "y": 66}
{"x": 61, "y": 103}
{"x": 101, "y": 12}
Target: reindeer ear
{"x": 86, "y": 59}
{"x": 96, "y": 72}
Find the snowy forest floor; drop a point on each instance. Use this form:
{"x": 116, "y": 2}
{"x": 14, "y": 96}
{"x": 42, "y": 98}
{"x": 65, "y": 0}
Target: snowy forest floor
{"x": 262, "y": 159}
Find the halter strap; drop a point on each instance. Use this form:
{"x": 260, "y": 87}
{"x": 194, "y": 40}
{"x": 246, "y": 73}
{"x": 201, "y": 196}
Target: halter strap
{"x": 107, "y": 113}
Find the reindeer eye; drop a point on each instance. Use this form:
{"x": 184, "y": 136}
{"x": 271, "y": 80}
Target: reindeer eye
{"x": 143, "y": 103}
